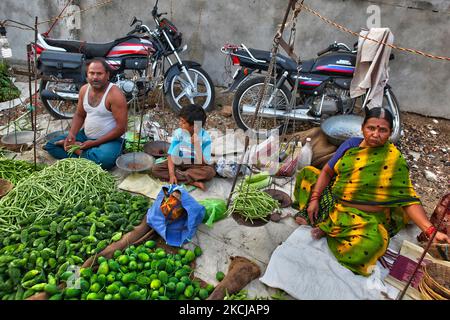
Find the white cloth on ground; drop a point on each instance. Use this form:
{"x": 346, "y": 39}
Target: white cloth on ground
{"x": 372, "y": 65}
{"x": 142, "y": 184}
{"x": 306, "y": 269}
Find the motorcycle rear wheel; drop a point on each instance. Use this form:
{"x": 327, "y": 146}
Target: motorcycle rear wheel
{"x": 179, "y": 93}
{"x": 250, "y": 91}
{"x": 58, "y": 109}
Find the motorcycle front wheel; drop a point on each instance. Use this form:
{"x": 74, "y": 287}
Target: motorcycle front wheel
{"x": 59, "y": 109}
{"x": 269, "y": 115}
{"x": 181, "y": 93}
{"x": 390, "y": 102}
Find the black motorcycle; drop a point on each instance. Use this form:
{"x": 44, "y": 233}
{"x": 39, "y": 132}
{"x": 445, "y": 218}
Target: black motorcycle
{"x": 323, "y": 87}
{"x": 138, "y": 62}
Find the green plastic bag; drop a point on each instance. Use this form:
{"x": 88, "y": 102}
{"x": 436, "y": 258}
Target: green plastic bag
{"x": 215, "y": 210}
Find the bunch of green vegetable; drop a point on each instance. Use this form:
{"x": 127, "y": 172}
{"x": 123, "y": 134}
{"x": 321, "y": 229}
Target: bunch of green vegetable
{"x": 138, "y": 273}
{"x": 40, "y": 253}
{"x": 8, "y": 91}
{"x": 241, "y": 295}
{"x": 67, "y": 182}
{"x": 133, "y": 143}
{"x": 252, "y": 203}
{"x": 72, "y": 149}
{"x": 16, "y": 170}
{"x": 257, "y": 181}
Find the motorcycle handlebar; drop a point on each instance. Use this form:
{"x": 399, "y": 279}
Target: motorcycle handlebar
{"x": 133, "y": 31}
{"x": 155, "y": 9}
{"x": 330, "y": 47}
{"x": 334, "y": 47}
{"x": 139, "y": 28}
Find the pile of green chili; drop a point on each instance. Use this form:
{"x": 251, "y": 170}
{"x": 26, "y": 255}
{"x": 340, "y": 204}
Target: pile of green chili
{"x": 68, "y": 182}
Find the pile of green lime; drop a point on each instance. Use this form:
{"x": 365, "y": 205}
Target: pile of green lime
{"x": 138, "y": 273}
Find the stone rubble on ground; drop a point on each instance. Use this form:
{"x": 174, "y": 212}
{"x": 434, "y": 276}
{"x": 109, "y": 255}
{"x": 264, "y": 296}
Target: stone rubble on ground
{"x": 430, "y": 176}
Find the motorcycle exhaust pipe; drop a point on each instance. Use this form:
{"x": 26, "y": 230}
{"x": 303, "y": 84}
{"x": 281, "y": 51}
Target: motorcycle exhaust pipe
{"x": 298, "y": 114}
{"x": 61, "y": 95}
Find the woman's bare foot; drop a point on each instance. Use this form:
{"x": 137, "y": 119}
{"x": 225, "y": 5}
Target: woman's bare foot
{"x": 199, "y": 185}
{"x": 301, "y": 221}
{"x": 316, "y": 233}
{"x": 59, "y": 143}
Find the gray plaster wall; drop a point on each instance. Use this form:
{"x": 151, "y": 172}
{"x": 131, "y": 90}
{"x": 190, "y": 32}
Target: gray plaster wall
{"x": 422, "y": 85}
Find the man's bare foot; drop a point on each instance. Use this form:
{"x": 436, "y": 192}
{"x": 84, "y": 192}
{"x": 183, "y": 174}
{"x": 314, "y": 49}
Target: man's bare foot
{"x": 316, "y": 233}
{"x": 301, "y": 221}
{"x": 199, "y": 185}
{"x": 59, "y": 143}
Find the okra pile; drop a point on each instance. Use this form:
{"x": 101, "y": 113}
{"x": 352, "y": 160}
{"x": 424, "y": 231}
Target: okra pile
{"x": 41, "y": 252}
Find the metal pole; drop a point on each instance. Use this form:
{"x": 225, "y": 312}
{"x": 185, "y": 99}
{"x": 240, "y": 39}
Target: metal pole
{"x": 34, "y": 112}
{"x": 29, "y": 52}
{"x": 140, "y": 125}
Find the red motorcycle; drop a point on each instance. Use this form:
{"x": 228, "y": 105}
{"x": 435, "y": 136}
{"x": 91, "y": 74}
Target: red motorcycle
{"x": 138, "y": 64}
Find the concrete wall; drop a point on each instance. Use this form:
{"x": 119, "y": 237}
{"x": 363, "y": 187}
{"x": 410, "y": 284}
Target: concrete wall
{"x": 422, "y": 85}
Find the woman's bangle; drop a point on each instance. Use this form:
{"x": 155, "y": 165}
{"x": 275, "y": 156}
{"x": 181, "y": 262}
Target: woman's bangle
{"x": 430, "y": 230}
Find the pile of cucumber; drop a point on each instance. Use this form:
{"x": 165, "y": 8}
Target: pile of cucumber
{"x": 40, "y": 253}
{"x": 137, "y": 273}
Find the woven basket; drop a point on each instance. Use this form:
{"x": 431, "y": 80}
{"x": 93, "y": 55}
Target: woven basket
{"x": 5, "y": 187}
{"x": 424, "y": 291}
{"x": 437, "y": 278}
{"x": 428, "y": 286}
{"x": 439, "y": 251}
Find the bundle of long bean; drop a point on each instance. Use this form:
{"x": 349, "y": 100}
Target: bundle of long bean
{"x": 252, "y": 203}
{"x": 16, "y": 170}
{"x": 67, "y": 182}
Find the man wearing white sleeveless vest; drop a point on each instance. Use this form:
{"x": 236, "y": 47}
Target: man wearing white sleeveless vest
{"x": 99, "y": 122}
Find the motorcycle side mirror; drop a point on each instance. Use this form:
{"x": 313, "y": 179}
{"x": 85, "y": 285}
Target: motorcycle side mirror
{"x": 155, "y": 9}
{"x": 133, "y": 21}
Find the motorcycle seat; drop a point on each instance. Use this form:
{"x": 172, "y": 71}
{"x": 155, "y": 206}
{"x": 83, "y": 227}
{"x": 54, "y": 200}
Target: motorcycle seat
{"x": 285, "y": 62}
{"x": 90, "y": 49}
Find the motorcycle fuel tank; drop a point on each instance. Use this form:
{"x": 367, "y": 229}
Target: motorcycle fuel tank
{"x": 336, "y": 63}
{"x": 131, "y": 48}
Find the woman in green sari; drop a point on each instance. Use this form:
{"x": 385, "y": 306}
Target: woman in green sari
{"x": 370, "y": 200}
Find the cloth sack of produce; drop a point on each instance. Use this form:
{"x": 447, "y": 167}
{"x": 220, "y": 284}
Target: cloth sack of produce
{"x": 171, "y": 205}
{"x": 176, "y": 231}
{"x": 215, "y": 210}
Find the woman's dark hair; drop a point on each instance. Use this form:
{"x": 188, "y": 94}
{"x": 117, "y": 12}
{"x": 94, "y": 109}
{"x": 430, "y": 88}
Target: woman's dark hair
{"x": 192, "y": 113}
{"x": 379, "y": 113}
{"x": 102, "y": 61}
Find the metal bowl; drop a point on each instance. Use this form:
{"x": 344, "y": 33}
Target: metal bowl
{"x": 342, "y": 127}
{"x": 135, "y": 162}
{"x": 19, "y": 137}
{"x": 282, "y": 197}
{"x": 157, "y": 148}
{"x": 53, "y": 135}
